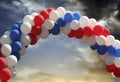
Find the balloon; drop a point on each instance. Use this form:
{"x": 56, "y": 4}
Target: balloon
{"x": 109, "y": 60}
{"x": 15, "y": 26}
{"x": 61, "y": 11}
{"x": 19, "y": 23}
{"x": 68, "y": 17}
{"x": 71, "y": 34}
{"x": 74, "y": 25}
{"x": 54, "y": 15}
{"x": 91, "y": 40}
{"x": 7, "y": 33}
{"x": 17, "y": 55}
{"x": 36, "y": 30}
{"x": 22, "y": 51}
{"x": 98, "y": 30}
{"x": 50, "y": 9}
{"x": 34, "y": 14}
{"x": 79, "y": 33}
{"x": 45, "y": 14}
{"x": 117, "y": 54}
{"x": 5, "y": 74}
{"x": 117, "y": 62}
{"x": 66, "y": 29}
{"x": 76, "y": 16}
{"x": 13, "y": 71}
{"x": 93, "y": 22}
{"x": 16, "y": 46}
{"x": 49, "y": 24}
{"x": 84, "y": 21}
{"x": 55, "y": 30}
{"x": 117, "y": 72}
{"x": 33, "y": 39}
{"x": 39, "y": 20}
{"x": 112, "y": 50}
{"x": 26, "y": 28}
{"x": 103, "y": 57}
{"x": 101, "y": 40}
{"x": 83, "y": 39}
{"x": 110, "y": 68}
{"x": 106, "y": 32}
{"x": 6, "y": 49}
{"x": 44, "y": 34}
{"x": 94, "y": 47}
{"x": 61, "y": 22}
{"x": 29, "y": 19}
{"x": 88, "y": 31}
{"x": 5, "y": 39}
{"x": 3, "y": 63}
{"x": 11, "y": 60}
{"x": 15, "y": 35}
{"x": 102, "y": 49}
{"x": 25, "y": 39}
{"x": 109, "y": 40}
{"x": 117, "y": 79}
{"x": 117, "y": 43}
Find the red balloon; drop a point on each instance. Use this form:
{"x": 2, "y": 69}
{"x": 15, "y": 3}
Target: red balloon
{"x": 117, "y": 72}
{"x": 71, "y": 34}
{"x": 1, "y": 55}
{"x": 79, "y": 33}
{"x": 110, "y": 68}
{"x": 5, "y": 74}
{"x": 33, "y": 39}
{"x": 98, "y": 30}
{"x": 50, "y": 9}
{"x": 88, "y": 31}
{"x": 45, "y": 14}
{"x": 106, "y": 32}
{"x": 36, "y": 30}
{"x": 3, "y": 63}
{"x": 39, "y": 20}
{"x": 6, "y": 81}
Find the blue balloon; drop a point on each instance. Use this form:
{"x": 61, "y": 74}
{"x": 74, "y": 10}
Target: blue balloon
{"x": 117, "y": 53}
{"x": 76, "y": 15}
{"x": 55, "y": 30}
{"x": 112, "y": 50}
{"x": 94, "y": 47}
{"x": 19, "y": 23}
{"x": 16, "y": 46}
{"x": 61, "y": 22}
{"x": 68, "y": 17}
{"x": 102, "y": 49}
{"x": 17, "y": 55}
{"x": 15, "y": 35}
{"x": 15, "y": 26}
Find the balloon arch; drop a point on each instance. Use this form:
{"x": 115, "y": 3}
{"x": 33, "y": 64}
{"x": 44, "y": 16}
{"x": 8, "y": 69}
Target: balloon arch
{"x": 34, "y": 26}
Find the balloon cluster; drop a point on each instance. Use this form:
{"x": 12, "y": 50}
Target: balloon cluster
{"x": 14, "y": 43}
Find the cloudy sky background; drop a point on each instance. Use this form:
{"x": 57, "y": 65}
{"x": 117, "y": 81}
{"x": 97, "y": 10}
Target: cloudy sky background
{"x": 57, "y": 55}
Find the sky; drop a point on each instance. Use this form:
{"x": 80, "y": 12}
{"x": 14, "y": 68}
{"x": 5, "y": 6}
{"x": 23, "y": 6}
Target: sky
{"x": 58, "y": 55}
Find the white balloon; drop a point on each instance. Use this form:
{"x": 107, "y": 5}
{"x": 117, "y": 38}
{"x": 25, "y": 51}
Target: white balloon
{"x": 91, "y": 40}
{"x": 11, "y": 60}
{"x": 6, "y": 49}
{"x": 34, "y": 14}
{"x": 61, "y": 11}
{"x": 117, "y": 79}
{"x": 117, "y": 44}
{"x": 13, "y": 70}
{"x": 44, "y": 34}
{"x": 66, "y": 29}
{"x": 84, "y": 39}
{"x": 84, "y": 21}
{"x": 54, "y": 15}
{"x": 25, "y": 39}
{"x": 26, "y": 28}
{"x": 22, "y": 51}
{"x": 5, "y": 39}
{"x": 93, "y": 22}
{"x": 74, "y": 25}
{"x": 103, "y": 57}
{"x": 109, "y": 60}
{"x": 109, "y": 40}
{"x": 101, "y": 40}
{"x": 117, "y": 62}
{"x": 7, "y": 33}
{"x": 49, "y": 24}
{"x": 28, "y": 18}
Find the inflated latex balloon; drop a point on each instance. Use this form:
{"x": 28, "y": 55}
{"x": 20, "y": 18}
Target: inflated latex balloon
{"x": 5, "y": 39}
{"x": 15, "y": 35}
{"x": 112, "y": 50}
{"x": 26, "y": 28}
{"x": 83, "y": 39}
{"x": 84, "y": 21}
{"x": 25, "y": 39}
{"x": 22, "y": 51}
{"x": 33, "y": 39}
{"x": 3, "y": 63}
{"x": 66, "y": 29}
{"x": 17, "y": 55}
{"x": 39, "y": 20}
{"x": 49, "y": 24}
{"x": 61, "y": 11}
{"x": 117, "y": 79}
{"x": 61, "y": 22}
{"x": 109, "y": 40}
{"x": 45, "y": 14}
{"x": 76, "y": 16}
{"x": 117, "y": 43}
{"x": 13, "y": 71}
{"x": 6, "y": 49}
{"x": 34, "y": 14}
{"x": 103, "y": 57}
{"x": 98, "y": 30}
{"x": 44, "y": 34}
{"x": 101, "y": 40}
{"x": 117, "y": 72}
{"x": 29, "y": 19}
{"x": 74, "y": 25}
{"x": 36, "y": 30}
{"x": 79, "y": 33}
{"x": 55, "y": 30}
{"x": 91, "y": 40}
{"x": 54, "y": 15}
{"x": 68, "y": 17}
{"x": 93, "y": 22}
{"x": 11, "y": 60}
{"x": 109, "y": 60}
{"x": 5, "y": 74}
{"x": 117, "y": 54}
{"x": 16, "y": 46}
{"x": 102, "y": 49}
{"x": 7, "y": 33}
{"x": 117, "y": 62}
{"x": 110, "y": 68}
{"x": 106, "y": 32}
{"x": 88, "y": 31}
